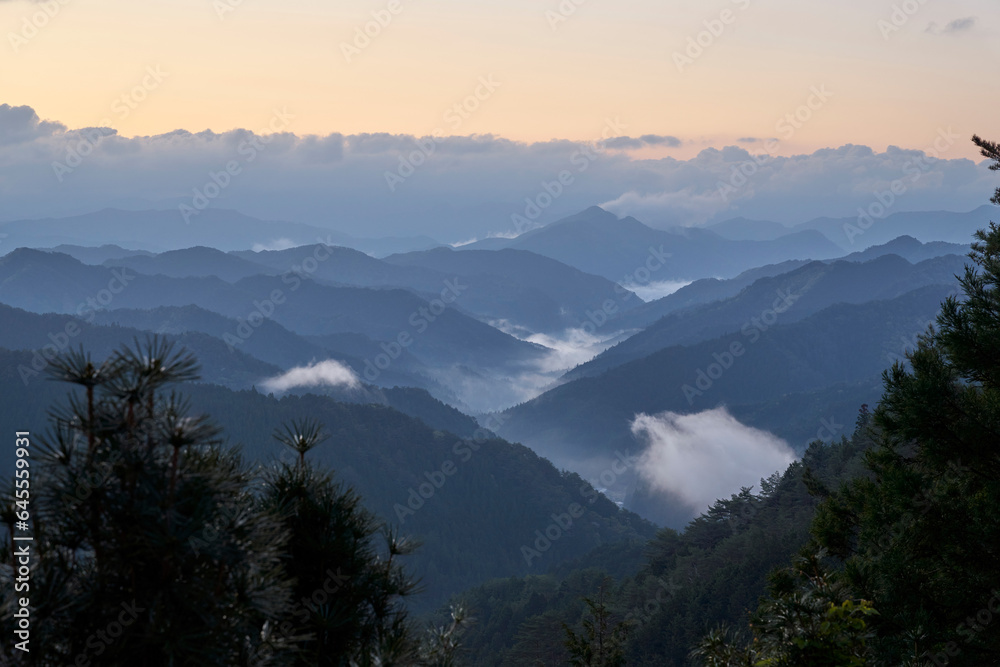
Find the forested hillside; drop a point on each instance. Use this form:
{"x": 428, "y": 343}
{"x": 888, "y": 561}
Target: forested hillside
{"x": 473, "y": 500}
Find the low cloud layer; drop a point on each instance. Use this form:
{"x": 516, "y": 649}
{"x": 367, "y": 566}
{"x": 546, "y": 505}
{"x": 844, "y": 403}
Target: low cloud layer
{"x": 21, "y": 124}
{"x": 329, "y": 373}
{"x": 706, "y": 456}
{"x": 454, "y": 188}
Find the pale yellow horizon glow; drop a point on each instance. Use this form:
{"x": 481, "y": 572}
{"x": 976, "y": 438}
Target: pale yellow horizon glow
{"x": 606, "y": 60}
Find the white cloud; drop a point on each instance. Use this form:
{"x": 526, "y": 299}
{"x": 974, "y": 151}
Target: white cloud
{"x": 276, "y": 244}
{"x": 469, "y": 187}
{"x": 706, "y": 456}
{"x": 325, "y": 373}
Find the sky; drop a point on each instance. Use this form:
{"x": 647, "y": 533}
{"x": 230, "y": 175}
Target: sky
{"x": 356, "y": 82}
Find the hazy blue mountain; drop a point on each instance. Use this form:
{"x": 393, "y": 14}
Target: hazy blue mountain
{"x": 856, "y": 233}
{"x": 713, "y": 289}
{"x": 271, "y": 342}
{"x": 744, "y": 229}
{"x": 909, "y": 249}
{"x": 23, "y": 330}
{"x": 200, "y": 331}
{"x": 160, "y": 230}
{"x": 338, "y": 264}
{"x": 581, "y": 423}
{"x": 521, "y": 289}
{"x": 699, "y": 292}
{"x": 193, "y": 262}
{"x": 276, "y": 345}
{"x": 784, "y": 298}
{"x": 390, "y": 245}
{"x": 51, "y": 282}
{"x": 91, "y": 255}
{"x": 571, "y": 292}
{"x": 596, "y": 241}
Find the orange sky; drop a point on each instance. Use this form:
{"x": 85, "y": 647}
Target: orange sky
{"x": 228, "y": 63}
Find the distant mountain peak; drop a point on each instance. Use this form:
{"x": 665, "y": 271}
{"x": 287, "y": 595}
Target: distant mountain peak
{"x": 592, "y": 214}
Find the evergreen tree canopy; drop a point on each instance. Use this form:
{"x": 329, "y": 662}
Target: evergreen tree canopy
{"x": 919, "y": 534}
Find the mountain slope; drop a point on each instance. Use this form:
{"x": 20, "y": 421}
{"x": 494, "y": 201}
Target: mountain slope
{"x": 193, "y": 262}
{"x": 572, "y": 292}
{"x": 785, "y": 298}
{"x": 91, "y": 255}
{"x": 624, "y": 250}
{"x": 50, "y": 282}
{"x": 857, "y": 233}
{"x": 483, "y": 499}
{"x": 582, "y": 423}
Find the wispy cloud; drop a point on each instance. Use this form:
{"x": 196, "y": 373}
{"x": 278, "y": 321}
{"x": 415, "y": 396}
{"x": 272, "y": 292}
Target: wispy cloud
{"x": 631, "y": 143}
{"x": 958, "y": 25}
{"x": 330, "y": 373}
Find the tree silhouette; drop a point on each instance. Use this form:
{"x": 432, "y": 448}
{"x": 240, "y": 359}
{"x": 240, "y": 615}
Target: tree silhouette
{"x": 149, "y": 546}
{"x": 348, "y": 593}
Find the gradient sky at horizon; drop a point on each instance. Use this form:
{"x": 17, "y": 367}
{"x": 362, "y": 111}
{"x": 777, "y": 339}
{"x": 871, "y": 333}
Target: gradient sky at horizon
{"x": 605, "y": 60}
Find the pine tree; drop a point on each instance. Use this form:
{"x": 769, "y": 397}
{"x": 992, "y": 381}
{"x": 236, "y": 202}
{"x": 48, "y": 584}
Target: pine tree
{"x": 809, "y": 619}
{"x": 920, "y": 535}
{"x": 348, "y": 597}
{"x": 602, "y": 640}
{"x": 149, "y": 548}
